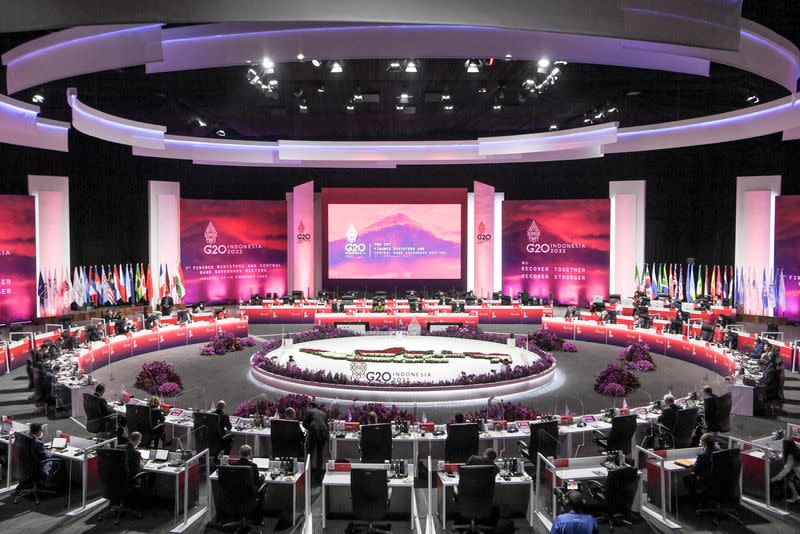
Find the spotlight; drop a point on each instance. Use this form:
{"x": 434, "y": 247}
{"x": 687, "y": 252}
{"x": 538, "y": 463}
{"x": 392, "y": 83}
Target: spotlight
{"x": 37, "y": 99}
{"x": 269, "y": 66}
{"x": 303, "y": 107}
{"x": 357, "y": 95}
{"x": 273, "y": 82}
{"x": 315, "y": 62}
{"x": 529, "y": 83}
{"x": 543, "y": 63}
{"x": 200, "y": 122}
{"x": 399, "y": 107}
{"x": 411, "y": 66}
{"x": 508, "y": 56}
{"x": 497, "y": 106}
{"x": 404, "y": 96}
{"x": 481, "y": 89}
{"x": 752, "y": 99}
{"x": 300, "y": 57}
{"x": 336, "y": 67}
{"x": 220, "y": 133}
{"x": 612, "y": 110}
{"x": 321, "y": 88}
{"x": 472, "y": 66}
{"x": 448, "y": 107}
{"x": 553, "y": 127}
{"x": 445, "y": 96}
{"x": 394, "y": 66}
{"x": 350, "y": 106}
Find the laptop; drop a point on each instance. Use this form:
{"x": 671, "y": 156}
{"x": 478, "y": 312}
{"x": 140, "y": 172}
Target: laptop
{"x": 161, "y": 455}
{"x": 59, "y": 443}
{"x": 145, "y": 454}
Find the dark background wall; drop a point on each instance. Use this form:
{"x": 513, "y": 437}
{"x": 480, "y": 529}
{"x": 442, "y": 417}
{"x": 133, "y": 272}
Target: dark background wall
{"x": 691, "y": 192}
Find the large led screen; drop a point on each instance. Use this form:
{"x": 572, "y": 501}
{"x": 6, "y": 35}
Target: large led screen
{"x": 395, "y": 235}
{"x": 557, "y": 248}
{"x": 787, "y": 255}
{"x": 17, "y": 259}
{"x": 232, "y": 249}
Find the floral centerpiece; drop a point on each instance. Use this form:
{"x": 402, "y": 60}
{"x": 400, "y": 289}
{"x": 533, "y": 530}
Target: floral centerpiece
{"x": 616, "y": 381}
{"x": 637, "y": 357}
{"x": 159, "y": 378}
{"x": 225, "y": 342}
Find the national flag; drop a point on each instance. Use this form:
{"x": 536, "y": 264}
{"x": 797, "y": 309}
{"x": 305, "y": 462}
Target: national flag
{"x": 646, "y": 276}
{"x": 150, "y": 285}
{"x": 115, "y": 287}
{"x": 777, "y": 290}
{"x": 137, "y": 291}
{"x": 713, "y": 286}
{"x": 664, "y": 279}
{"x": 42, "y": 290}
{"x": 699, "y": 292}
{"x": 654, "y": 284}
{"x": 161, "y": 285}
{"x": 636, "y": 278}
{"x": 119, "y": 276}
{"x": 129, "y": 280}
{"x": 764, "y": 295}
{"x": 771, "y": 293}
{"x": 179, "y": 287}
{"x": 690, "y": 288}
{"x": 680, "y": 285}
{"x": 782, "y": 293}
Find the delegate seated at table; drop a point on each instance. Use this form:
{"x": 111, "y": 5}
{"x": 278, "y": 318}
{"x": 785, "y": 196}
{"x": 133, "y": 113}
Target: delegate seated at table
{"x": 699, "y": 481}
{"x": 574, "y": 520}
{"x": 791, "y": 467}
{"x": 487, "y": 458}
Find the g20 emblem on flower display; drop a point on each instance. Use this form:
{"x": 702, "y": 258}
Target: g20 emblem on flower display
{"x": 358, "y": 368}
{"x": 414, "y": 328}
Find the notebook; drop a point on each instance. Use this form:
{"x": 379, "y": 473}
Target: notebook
{"x": 685, "y": 462}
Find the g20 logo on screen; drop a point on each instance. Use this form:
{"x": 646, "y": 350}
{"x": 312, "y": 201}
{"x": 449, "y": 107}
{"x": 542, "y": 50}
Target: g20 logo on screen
{"x": 211, "y": 241}
{"x": 302, "y": 236}
{"x": 352, "y": 248}
{"x": 533, "y": 246}
{"x": 482, "y": 236}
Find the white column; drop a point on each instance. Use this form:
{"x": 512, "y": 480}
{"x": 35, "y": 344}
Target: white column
{"x": 755, "y": 221}
{"x": 498, "y": 240}
{"x": 51, "y": 195}
{"x": 164, "y": 202}
{"x": 627, "y": 234}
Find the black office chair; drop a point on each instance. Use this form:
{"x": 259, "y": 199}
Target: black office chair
{"x": 139, "y": 418}
{"x": 96, "y": 423}
{"x": 722, "y": 419}
{"x": 474, "y": 496}
{"x": 616, "y": 496}
{"x": 461, "y": 442}
{"x": 707, "y": 332}
{"x": 724, "y": 492}
{"x": 676, "y": 326}
{"x": 207, "y": 432}
{"x": 369, "y": 490}
{"x": 28, "y": 469}
{"x": 375, "y": 443}
{"x": 685, "y": 424}
{"x": 543, "y": 439}
{"x": 286, "y": 439}
{"x": 39, "y": 394}
{"x": 237, "y": 498}
{"x": 116, "y": 483}
{"x": 623, "y": 428}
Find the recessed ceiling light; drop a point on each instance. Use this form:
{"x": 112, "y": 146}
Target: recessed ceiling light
{"x": 269, "y": 66}
{"x": 497, "y": 107}
{"x": 394, "y": 66}
{"x": 300, "y": 57}
{"x": 350, "y": 107}
{"x": 315, "y": 62}
{"x": 554, "y": 127}
{"x": 472, "y": 66}
{"x": 445, "y": 96}
{"x": 411, "y": 66}
{"x": 448, "y": 107}
{"x": 336, "y": 67}
{"x": 481, "y": 89}
{"x": 38, "y": 99}
{"x": 303, "y": 107}
{"x": 508, "y": 56}
{"x": 321, "y": 88}
{"x": 220, "y": 133}
{"x": 543, "y": 63}
{"x": 399, "y": 107}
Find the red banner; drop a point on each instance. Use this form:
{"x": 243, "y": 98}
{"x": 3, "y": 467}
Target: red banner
{"x": 17, "y": 259}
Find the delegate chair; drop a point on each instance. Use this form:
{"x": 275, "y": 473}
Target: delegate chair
{"x": 623, "y": 428}
{"x": 707, "y": 332}
{"x": 375, "y": 443}
{"x": 722, "y": 419}
{"x": 616, "y": 496}
{"x": 685, "y": 424}
{"x": 208, "y": 433}
{"x": 238, "y": 499}
{"x": 139, "y": 418}
{"x": 96, "y": 422}
{"x": 474, "y": 496}
{"x": 461, "y": 442}
{"x": 116, "y": 482}
{"x": 543, "y": 439}
{"x": 28, "y": 469}
{"x": 286, "y": 439}
{"x": 369, "y": 490}
{"x": 724, "y": 492}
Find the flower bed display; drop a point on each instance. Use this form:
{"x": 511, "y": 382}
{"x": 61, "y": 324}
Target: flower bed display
{"x": 300, "y": 403}
{"x": 224, "y": 342}
{"x": 637, "y": 357}
{"x": 616, "y": 381}
{"x": 401, "y": 355}
{"x": 159, "y": 378}
{"x": 504, "y": 411}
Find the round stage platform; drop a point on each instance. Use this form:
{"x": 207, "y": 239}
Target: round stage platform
{"x": 387, "y": 367}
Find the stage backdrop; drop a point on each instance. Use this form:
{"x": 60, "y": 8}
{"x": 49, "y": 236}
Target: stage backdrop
{"x": 787, "y": 251}
{"x": 394, "y": 238}
{"x": 232, "y": 249}
{"x": 558, "y": 247}
{"x": 17, "y": 259}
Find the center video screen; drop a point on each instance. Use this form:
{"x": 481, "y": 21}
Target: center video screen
{"x": 394, "y": 241}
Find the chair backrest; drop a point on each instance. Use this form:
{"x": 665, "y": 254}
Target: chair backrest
{"x": 369, "y": 489}
{"x": 461, "y": 442}
{"x": 38, "y": 379}
{"x": 286, "y": 439}
{"x": 138, "y": 418}
{"x": 376, "y": 443}
{"x": 623, "y": 427}
{"x": 722, "y": 419}
{"x": 476, "y": 490}
{"x": 206, "y": 432}
{"x": 726, "y": 467}
{"x": 685, "y": 423}
{"x": 543, "y": 439}
{"x": 707, "y": 332}
{"x": 237, "y": 495}
{"x": 94, "y": 417}
{"x": 26, "y": 466}
{"x": 112, "y": 468}
{"x": 620, "y": 488}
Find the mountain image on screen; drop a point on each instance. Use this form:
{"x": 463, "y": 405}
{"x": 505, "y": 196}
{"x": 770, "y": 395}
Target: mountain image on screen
{"x": 433, "y": 256}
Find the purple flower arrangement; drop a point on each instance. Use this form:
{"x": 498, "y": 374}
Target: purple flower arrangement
{"x": 504, "y": 411}
{"x": 321, "y": 332}
{"x": 616, "y": 381}
{"x": 353, "y": 412}
{"x": 225, "y": 342}
{"x": 547, "y": 340}
{"x": 157, "y": 374}
{"x": 637, "y": 357}
{"x": 569, "y": 346}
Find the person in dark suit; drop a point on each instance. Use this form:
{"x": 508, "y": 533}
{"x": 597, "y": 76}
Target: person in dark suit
{"x": 710, "y": 404}
{"x": 166, "y": 305}
{"x": 487, "y": 458}
{"x": 458, "y": 418}
{"x": 290, "y": 415}
{"x": 70, "y": 342}
{"x": 315, "y": 422}
{"x": 700, "y": 480}
{"x": 106, "y": 410}
{"x": 668, "y": 417}
{"x": 224, "y": 427}
{"x": 48, "y": 469}
{"x": 48, "y": 380}
{"x": 245, "y": 458}
{"x": 132, "y": 454}
{"x": 156, "y": 418}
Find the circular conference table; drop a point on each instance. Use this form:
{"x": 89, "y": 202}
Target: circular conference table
{"x": 681, "y": 346}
